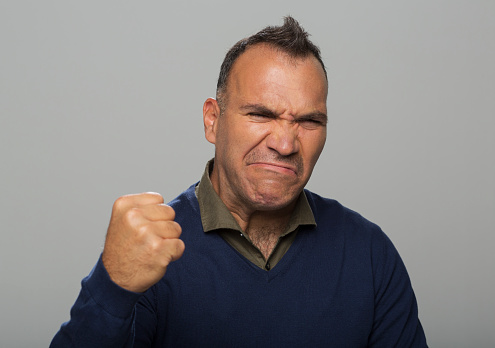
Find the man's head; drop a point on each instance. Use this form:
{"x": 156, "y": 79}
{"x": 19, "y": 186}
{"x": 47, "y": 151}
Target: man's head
{"x": 271, "y": 127}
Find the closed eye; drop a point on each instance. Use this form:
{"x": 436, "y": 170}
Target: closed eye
{"x": 311, "y": 123}
{"x": 260, "y": 116}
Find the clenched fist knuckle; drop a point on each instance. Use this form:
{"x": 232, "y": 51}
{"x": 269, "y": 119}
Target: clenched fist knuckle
{"x": 181, "y": 247}
{"x": 177, "y": 228}
{"x": 169, "y": 212}
{"x": 155, "y": 195}
{"x": 169, "y": 229}
{"x": 131, "y": 215}
{"x": 144, "y": 230}
{"x": 176, "y": 248}
{"x": 120, "y": 203}
{"x": 155, "y": 247}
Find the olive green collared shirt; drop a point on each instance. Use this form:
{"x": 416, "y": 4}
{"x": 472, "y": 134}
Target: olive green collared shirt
{"x": 216, "y": 217}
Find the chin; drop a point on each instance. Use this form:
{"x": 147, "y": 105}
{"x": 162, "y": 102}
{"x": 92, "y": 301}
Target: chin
{"x": 273, "y": 200}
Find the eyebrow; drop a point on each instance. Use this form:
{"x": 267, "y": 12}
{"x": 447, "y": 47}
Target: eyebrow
{"x": 259, "y": 108}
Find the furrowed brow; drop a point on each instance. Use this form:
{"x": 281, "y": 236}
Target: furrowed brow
{"x": 257, "y": 109}
{"x": 317, "y": 116}
{"x": 261, "y": 109}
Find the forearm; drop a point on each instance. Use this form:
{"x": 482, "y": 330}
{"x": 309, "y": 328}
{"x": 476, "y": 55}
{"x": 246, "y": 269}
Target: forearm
{"x": 102, "y": 316}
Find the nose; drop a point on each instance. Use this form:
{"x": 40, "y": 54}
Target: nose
{"x": 283, "y": 137}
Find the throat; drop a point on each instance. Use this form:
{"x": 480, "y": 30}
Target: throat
{"x": 265, "y": 239}
{"x": 264, "y": 228}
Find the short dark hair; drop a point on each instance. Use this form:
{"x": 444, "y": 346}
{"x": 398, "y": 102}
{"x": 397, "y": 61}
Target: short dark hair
{"x": 289, "y": 38}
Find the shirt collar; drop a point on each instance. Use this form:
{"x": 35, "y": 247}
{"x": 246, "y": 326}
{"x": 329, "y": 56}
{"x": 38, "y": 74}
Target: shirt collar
{"x": 215, "y": 215}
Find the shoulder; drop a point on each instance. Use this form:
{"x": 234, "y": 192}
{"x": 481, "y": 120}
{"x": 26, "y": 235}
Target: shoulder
{"x": 328, "y": 210}
{"x": 186, "y": 200}
{"x": 334, "y": 218}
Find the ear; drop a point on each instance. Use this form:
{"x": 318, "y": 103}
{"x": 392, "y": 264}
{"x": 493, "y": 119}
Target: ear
{"x": 211, "y": 112}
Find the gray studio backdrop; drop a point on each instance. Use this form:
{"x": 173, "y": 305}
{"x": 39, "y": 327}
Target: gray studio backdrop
{"x": 100, "y": 99}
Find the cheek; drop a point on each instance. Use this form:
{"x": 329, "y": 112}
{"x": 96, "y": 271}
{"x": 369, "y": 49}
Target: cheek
{"x": 249, "y": 136}
{"x": 235, "y": 140}
{"x": 321, "y": 142}
{"x": 314, "y": 146}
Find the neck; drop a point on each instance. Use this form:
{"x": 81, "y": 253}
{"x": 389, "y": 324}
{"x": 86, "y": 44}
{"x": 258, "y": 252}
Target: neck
{"x": 256, "y": 220}
{"x": 263, "y": 226}
{"x": 264, "y": 229}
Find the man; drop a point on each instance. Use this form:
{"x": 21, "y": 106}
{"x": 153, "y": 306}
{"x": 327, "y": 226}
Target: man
{"x": 267, "y": 263}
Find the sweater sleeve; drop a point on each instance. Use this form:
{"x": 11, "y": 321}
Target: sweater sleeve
{"x": 102, "y": 316}
{"x": 396, "y": 322}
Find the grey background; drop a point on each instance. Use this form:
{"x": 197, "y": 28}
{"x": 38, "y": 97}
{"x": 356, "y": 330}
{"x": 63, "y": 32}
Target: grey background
{"x": 100, "y": 99}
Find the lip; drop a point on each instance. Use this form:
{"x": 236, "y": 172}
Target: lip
{"x": 276, "y": 167}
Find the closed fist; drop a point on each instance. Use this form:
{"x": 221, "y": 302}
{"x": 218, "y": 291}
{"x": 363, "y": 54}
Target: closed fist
{"x": 142, "y": 239}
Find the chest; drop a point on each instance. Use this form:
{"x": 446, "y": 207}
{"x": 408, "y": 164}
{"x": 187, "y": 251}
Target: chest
{"x": 306, "y": 300}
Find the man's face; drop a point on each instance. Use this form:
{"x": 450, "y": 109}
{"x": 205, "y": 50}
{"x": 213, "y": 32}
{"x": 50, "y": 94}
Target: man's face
{"x": 271, "y": 131}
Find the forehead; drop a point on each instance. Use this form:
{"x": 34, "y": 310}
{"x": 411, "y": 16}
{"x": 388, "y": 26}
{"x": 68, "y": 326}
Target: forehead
{"x": 265, "y": 74}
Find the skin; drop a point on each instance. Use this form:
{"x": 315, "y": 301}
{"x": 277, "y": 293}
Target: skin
{"x": 142, "y": 239}
{"x": 268, "y": 138}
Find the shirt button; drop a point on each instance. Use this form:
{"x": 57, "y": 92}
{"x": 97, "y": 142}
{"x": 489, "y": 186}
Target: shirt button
{"x": 267, "y": 266}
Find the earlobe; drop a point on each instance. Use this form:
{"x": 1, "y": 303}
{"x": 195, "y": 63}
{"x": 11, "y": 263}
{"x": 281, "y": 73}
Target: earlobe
{"x": 211, "y": 112}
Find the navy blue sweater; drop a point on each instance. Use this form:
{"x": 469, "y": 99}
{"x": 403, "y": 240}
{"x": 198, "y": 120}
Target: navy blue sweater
{"x": 341, "y": 284}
